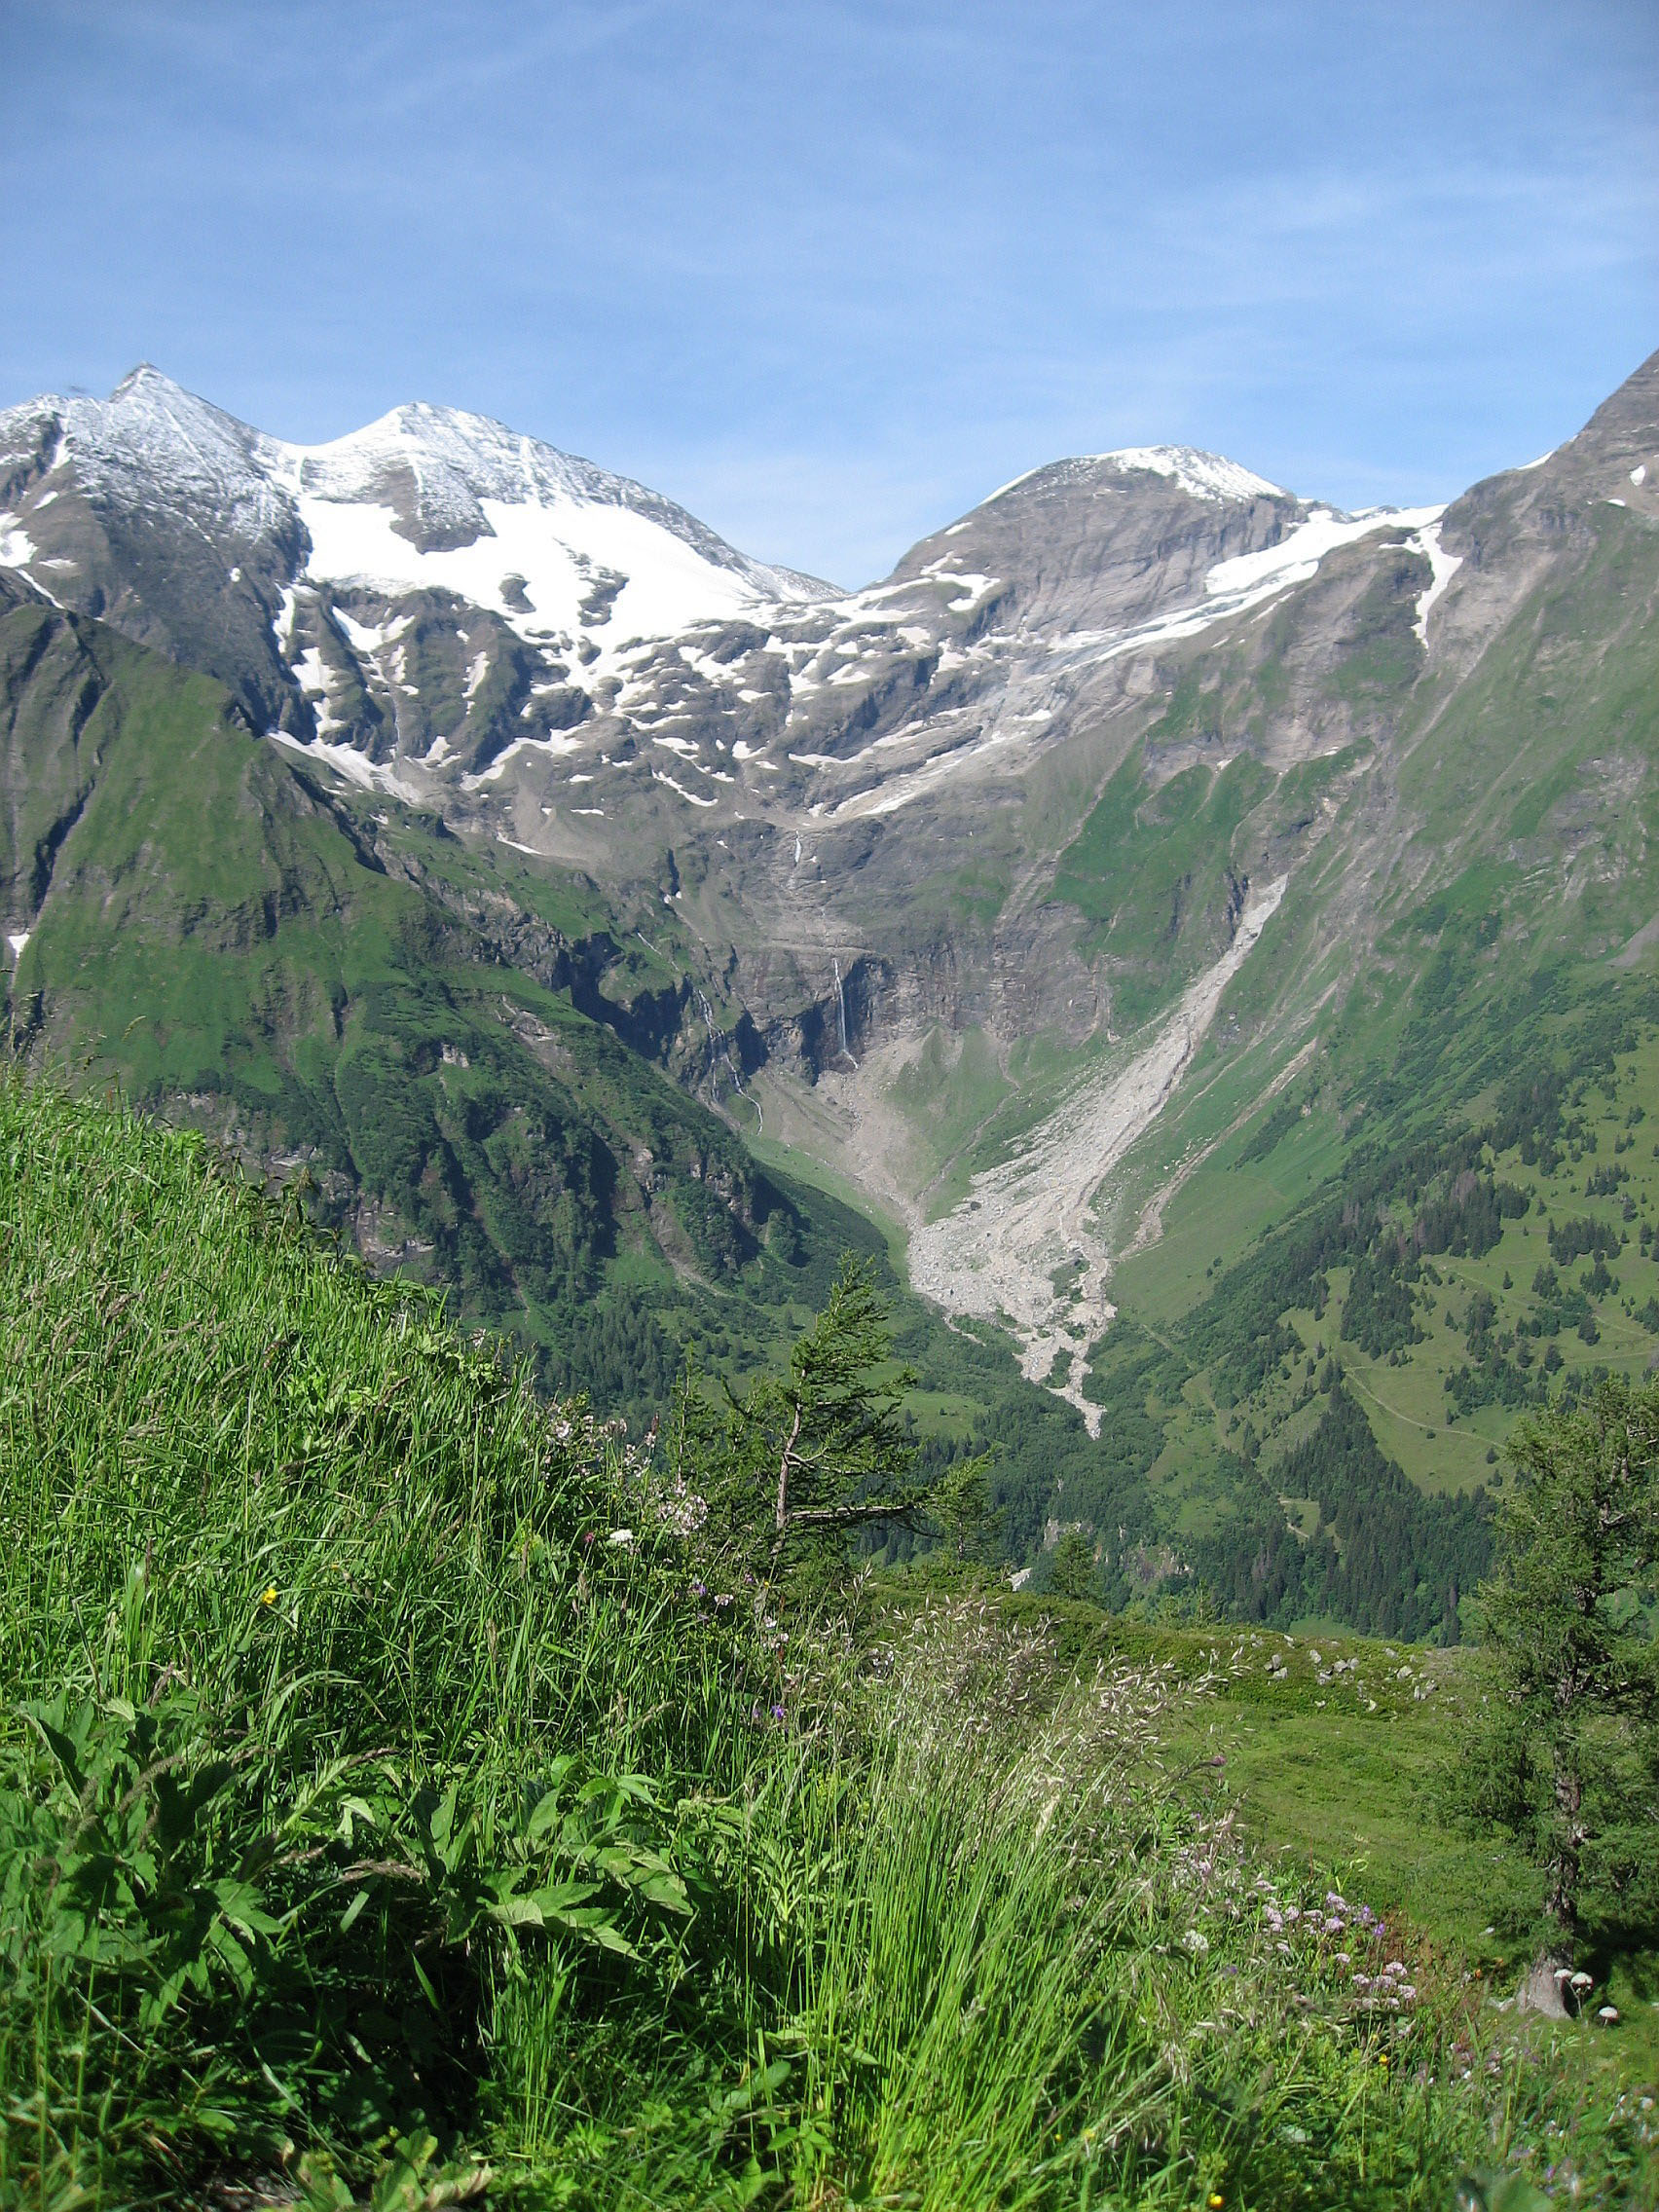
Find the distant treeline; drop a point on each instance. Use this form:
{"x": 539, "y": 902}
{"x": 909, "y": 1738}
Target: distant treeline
{"x": 1386, "y": 1559}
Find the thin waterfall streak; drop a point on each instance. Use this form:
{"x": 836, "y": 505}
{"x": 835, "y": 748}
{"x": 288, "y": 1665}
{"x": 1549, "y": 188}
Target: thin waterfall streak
{"x": 720, "y": 1051}
{"x": 841, "y": 1010}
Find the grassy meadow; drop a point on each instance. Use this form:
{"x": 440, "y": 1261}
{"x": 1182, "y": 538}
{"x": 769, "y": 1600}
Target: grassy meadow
{"x": 399, "y": 1805}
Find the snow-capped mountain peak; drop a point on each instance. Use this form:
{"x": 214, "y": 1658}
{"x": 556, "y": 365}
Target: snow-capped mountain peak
{"x": 435, "y": 498}
{"x": 448, "y": 611}
{"x": 150, "y": 430}
{"x": 299, "y": 575}
{"x": 438, "y": 466}
{"x": 1205, "y": 475}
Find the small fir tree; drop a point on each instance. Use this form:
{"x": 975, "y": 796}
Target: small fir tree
{"x": 1566, "y": 1752}
{"x": 799, "y": 1464}
{"x": 1073, "y": 1575}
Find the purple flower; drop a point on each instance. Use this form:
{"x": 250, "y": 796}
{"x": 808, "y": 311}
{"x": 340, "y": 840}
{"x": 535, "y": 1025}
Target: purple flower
{"x": 777, "y": 1712}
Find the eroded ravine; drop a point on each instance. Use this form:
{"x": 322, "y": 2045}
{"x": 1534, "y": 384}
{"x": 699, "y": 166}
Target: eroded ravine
{"x": 1022, "y": 1248}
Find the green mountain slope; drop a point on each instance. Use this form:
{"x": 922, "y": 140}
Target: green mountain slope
{"x": 1449, "y": 1209}
{"x": 212, "y": 929}
{"x": 400, "y": 1805}
{"x": 1225, "y": 964}
{"x": 388, "y": 1017}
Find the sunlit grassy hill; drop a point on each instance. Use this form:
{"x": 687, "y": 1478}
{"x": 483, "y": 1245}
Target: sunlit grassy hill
{"x": 395, "y": 1798}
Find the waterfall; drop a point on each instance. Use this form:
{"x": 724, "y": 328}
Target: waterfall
{"x": 719, "y": 1051}
{"x": 841, "y": 1012}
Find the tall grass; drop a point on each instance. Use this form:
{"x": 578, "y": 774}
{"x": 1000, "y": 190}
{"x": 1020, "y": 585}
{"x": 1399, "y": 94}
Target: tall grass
{"x": 392, "y": 1801}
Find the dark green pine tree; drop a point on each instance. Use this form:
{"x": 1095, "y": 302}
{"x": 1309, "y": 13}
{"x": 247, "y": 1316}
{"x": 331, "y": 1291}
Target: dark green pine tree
{"x": 799, "y": 1464}
{"x": 1566, "y": 1751}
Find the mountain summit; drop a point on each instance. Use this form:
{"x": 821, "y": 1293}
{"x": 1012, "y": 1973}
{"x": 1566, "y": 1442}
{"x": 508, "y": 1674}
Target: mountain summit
{"x": 229, "y": 550}
{"x": 1025, "y": 891}
{"x": 434, "y": 594}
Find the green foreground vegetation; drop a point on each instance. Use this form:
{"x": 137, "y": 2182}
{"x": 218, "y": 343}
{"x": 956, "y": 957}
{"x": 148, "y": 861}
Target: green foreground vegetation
{"x": 401, "y": 1801}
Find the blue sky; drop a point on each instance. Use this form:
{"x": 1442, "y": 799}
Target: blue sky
{"x": 829, "y": 270}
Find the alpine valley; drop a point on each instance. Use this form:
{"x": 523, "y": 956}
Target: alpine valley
{"x": 1201, "y": 945}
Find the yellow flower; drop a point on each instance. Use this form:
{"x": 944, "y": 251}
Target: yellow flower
{"x": 268, "y": 1595}
{"x": 1216, "y": 2200}
{"x": 1384, "y": 2060}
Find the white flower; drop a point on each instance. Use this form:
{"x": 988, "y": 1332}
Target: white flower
{"x": 620, "y": 1536}
{"x": 1197, "y": 1944}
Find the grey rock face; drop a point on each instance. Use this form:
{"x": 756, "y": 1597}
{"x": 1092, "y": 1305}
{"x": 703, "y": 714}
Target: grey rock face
{"x": 852, "y": 802}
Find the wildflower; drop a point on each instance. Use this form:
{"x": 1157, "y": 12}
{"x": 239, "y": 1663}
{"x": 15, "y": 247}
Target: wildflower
{"x": 1215, "y": 2201}
{"x": 1383, "y": 2059}
{"x": 1608, "y": 2015}
{"x": 268, "y": 1595}
{"x": 623, "y": 1536}
{"x": 777, "y": 1712}
{"x": 700, "y": 1588}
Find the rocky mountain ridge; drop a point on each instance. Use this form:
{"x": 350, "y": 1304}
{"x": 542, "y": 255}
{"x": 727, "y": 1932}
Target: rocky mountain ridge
{"x": 1012, "y": 890}
{"x": 464, "y": 607}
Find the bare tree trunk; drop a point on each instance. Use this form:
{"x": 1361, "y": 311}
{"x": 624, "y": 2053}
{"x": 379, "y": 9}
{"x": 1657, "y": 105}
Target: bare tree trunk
{"x": 1566, "y": 1848}
{"x": 1544, "y": 1989}
{"x": 785, "y": 1460}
